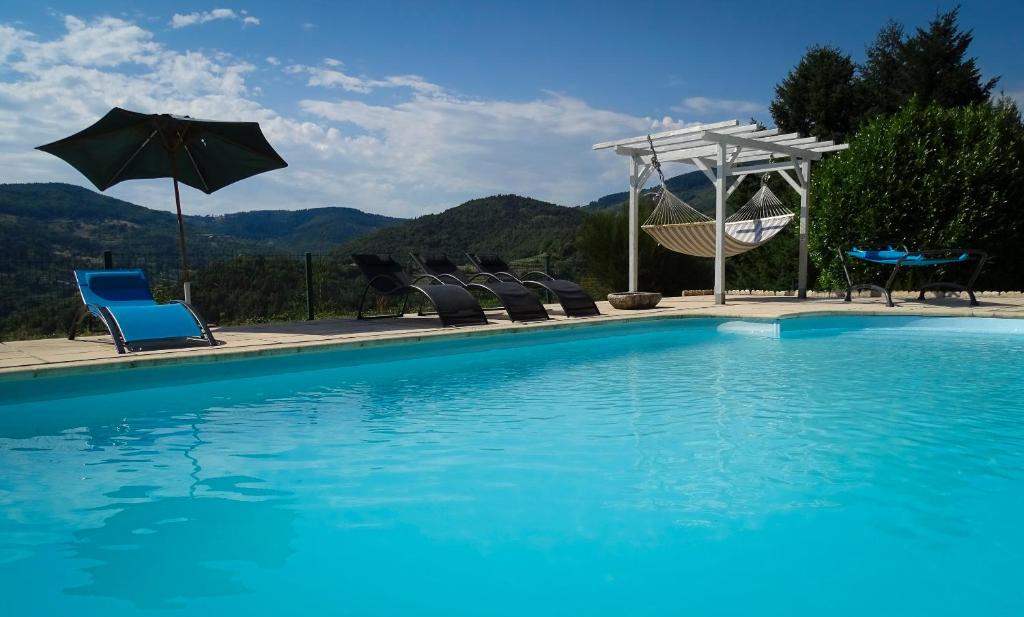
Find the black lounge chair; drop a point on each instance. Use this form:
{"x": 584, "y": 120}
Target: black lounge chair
{"x": 516, "y": 300}
{"x": 575, "y": 302}
{"x": 455, "y": 306}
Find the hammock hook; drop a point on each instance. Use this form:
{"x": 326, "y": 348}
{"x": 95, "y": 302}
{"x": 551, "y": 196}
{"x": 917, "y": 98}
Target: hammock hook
{"x": 655, "y": 163}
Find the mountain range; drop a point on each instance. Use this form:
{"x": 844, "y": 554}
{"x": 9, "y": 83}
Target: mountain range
{"x": 40, "y": 221}
{"x": 63, "y": 219}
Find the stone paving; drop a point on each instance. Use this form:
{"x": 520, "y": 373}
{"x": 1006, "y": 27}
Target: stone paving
{"x": 46, "y": 356}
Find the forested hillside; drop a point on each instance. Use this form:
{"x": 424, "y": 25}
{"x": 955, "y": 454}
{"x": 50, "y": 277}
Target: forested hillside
{"x": 44, "y": 219}
{"x": 693, "y": 187}
{"x": 315, "y": 230}
{"x": 511, "y": 225}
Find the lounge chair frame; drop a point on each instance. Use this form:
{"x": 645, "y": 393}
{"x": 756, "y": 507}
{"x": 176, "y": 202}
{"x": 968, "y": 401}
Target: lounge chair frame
{"x": 886, "y": 292}
{"x": 446, "y": 304}
{"x": 575, "y": 302}
{"x": 519, "y": 304}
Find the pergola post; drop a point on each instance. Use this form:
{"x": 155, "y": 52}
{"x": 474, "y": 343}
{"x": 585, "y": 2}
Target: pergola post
{"x": 634, "y": 222}
{"x": 721, "y": 176}
{"x": 805, "y": 197}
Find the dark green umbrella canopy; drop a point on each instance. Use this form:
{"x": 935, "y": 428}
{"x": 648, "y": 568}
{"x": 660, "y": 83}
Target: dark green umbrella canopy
{"x": 204, "y": 154}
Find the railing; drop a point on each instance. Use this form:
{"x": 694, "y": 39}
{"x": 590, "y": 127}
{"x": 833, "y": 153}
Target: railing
{"x": 39, "y": 298}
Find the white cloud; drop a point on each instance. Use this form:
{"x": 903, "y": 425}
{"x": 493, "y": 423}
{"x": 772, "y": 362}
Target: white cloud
{"x": 702, "y": 105}
{"x": 425, "y": 149}
{"x": 201, "y": 17}
{"x": 273, "y": 60}
{"x": 334, "y": 77}
{"x": 471, "y": 147}
{"x": 105, "y": 42}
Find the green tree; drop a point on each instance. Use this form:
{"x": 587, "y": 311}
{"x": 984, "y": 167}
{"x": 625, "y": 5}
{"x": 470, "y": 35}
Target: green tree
{"x": 881, "y": 73}
{"x": 932, "y": 65}
{"x": 928, "y": 177}
{"x": 820, "y": 96}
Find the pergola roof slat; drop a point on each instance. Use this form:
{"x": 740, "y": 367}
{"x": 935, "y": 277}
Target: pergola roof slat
{"x": 689, "y": 141}
{"x": 702, "y": 141}
{"x": 808, "y": 143}
{"x": 665, "y": 134}
{"x": 675, "y": 143}
{"x": 754, "y": 144}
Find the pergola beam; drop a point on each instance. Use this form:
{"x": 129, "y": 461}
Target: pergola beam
{"x": 665, "y": 134}
{"x": 797, "y": 186}
{"x": 736, "y": 183}
{"x": 679, "y": 143}
{"x": 749, "y": 154}
{"x": 701, "y": 165}
{"x": 702, "y": 151}
{"x": 760, "y": 169}
{"x": 819, "y": 146}
{"x": 755, "y": 144}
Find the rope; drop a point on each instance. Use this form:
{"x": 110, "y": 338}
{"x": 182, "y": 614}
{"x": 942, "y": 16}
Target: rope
{"x": 670, "y": 210}
{"x": 764, "y": 204}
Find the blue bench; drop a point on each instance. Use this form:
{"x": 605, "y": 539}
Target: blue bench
{"x": 898, "y": 256}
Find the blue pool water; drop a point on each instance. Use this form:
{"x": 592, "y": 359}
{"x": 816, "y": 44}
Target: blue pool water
{"x": 819, "y": 467}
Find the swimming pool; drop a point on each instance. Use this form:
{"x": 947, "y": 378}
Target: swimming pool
{"x": 841, "y": 466}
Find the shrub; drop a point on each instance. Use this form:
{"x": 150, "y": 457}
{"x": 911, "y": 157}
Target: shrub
{"x": 930, "y": 178}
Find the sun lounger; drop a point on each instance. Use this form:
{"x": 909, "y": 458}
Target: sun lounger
{"x": 516, "y": 300}
{"x": 455, "y": 306}
{"x": 575, "y": 302}
{"x": 899, "y": 256}
{"x": 123, "y": 302}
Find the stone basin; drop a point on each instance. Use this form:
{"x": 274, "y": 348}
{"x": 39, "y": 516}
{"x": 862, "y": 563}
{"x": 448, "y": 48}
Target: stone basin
{"x": 634, "y": 300}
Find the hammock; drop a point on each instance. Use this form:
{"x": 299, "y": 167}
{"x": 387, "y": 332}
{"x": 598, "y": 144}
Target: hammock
{"x": 679, "y": 227}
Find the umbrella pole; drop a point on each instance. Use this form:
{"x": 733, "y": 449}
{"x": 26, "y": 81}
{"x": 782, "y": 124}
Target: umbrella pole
{"x": 181, "y": 241}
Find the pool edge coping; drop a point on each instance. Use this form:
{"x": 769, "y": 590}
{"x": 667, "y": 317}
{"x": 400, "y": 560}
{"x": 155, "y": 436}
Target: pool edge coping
{"x": 360, "y": 341}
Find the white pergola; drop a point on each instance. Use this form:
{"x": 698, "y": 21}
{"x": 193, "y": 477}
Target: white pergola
{"x": 722, "y": 150}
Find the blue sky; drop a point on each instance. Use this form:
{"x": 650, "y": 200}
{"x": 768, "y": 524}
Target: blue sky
{"x": 407, "y": 108}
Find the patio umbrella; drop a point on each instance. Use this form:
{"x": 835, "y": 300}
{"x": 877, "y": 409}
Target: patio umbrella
{"x": 204, "y": 154}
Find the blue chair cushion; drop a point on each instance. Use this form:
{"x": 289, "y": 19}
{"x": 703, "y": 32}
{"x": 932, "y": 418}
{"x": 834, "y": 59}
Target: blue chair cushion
{"x": 884, "y": 256}
{"x": 891, "y": 257}
{"x": 114, "y": 287}
{"x": 158, "y": 321}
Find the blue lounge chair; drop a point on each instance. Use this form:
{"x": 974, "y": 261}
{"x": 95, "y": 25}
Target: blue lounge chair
{"x": 122, "y": 301}
{"x": 898, "y": 256}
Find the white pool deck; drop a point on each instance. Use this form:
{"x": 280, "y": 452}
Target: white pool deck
{"x": 33, "y": 358}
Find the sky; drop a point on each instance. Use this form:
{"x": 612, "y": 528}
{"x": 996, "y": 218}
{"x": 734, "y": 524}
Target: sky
{"x": 408, "y": 108}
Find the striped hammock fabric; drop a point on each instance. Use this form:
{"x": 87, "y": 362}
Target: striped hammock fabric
{"x": 677, "y": 226}
{"x": 699, "y": 238}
